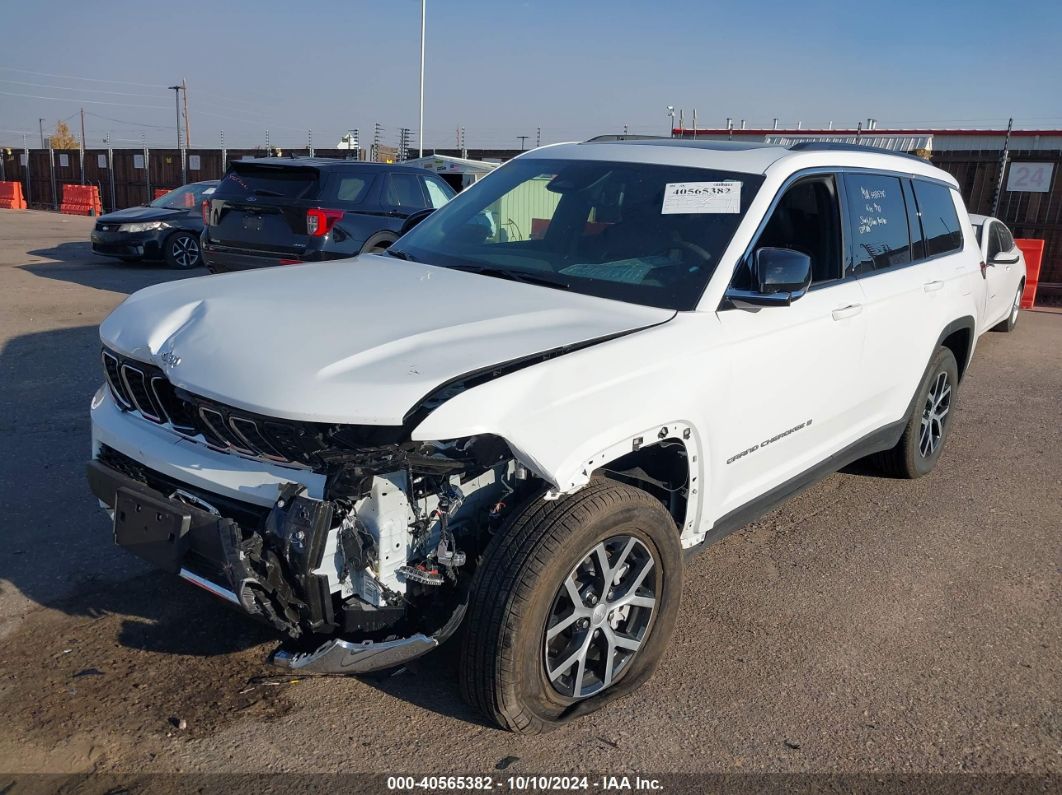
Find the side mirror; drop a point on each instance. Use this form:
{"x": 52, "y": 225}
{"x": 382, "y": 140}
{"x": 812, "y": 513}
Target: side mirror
{"x": 1004, "y": 258}
{"x": 780, "y": 276}
{"x": 414, "y": 219}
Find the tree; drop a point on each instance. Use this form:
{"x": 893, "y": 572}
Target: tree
{"x": 62, "y": 138}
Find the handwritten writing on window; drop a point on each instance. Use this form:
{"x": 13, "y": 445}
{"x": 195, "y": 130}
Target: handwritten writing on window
{"x": 873, "y": 214}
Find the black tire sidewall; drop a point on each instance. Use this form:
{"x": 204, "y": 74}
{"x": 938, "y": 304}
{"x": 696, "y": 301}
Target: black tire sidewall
{"x": 531, "y": 688}
{"x": 171, "y": 262}
{"x": 943, "y": 361}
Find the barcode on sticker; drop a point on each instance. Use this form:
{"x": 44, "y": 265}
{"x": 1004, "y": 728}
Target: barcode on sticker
{"x": 701, "y": 197}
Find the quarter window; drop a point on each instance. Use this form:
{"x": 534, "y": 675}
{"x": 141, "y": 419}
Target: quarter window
{"x": 940, "y": 223}
{"x": 877, "y": 217}
{"x": 436, "y": 194}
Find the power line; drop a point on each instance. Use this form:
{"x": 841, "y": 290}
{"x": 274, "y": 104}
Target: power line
{"x": 78, "y": 77}
{"x": 88, "y": 101}
{"x": 90, "y": 90}
{"x": 126, "y": 121}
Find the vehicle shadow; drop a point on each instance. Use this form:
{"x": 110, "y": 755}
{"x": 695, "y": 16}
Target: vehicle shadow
{"x": 430, "y": 683}
{"x": 58, "y": 551}
{"x": 75, "y": 262}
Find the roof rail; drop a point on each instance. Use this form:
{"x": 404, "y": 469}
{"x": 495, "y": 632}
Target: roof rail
{"x": 839, "y": 146}
{"x": 623, "y": 137}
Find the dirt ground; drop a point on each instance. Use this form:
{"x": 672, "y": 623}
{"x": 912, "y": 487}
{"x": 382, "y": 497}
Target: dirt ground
{"x": 869, "y": 625}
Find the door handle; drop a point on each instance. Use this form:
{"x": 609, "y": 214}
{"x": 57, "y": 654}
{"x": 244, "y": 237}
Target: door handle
{"x": 847, "y": 311}
{"x": 930, "y": 287}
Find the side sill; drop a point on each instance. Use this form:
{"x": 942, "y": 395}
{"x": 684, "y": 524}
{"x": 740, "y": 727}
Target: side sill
{"x": 882, "y": 439}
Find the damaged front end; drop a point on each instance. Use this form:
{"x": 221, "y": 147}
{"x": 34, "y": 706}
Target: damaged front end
{"x": 374, "y": 573}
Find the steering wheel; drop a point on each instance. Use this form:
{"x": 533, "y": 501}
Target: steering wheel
{"x": 694, "y": 249}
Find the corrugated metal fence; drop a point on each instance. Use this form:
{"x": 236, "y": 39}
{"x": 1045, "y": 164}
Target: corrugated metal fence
{"x": 1028, "y": 214}
{"x": 125, "y": 177}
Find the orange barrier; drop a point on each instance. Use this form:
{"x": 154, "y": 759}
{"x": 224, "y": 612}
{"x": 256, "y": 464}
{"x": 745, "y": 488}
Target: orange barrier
{"x": 1034, "y": 256}
{"x": 81, "y": 200}
{"x": 11, "y": 196}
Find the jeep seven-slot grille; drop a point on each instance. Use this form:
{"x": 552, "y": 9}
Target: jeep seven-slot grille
{"x": 145, "y": 389}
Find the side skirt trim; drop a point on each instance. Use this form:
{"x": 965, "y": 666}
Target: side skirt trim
{"x": 883, "y": 439}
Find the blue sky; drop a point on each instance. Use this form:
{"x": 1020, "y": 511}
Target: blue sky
{"x": 505, "y": 68}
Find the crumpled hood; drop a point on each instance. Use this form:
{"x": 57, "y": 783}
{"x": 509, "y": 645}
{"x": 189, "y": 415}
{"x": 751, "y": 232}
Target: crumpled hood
{"x": 359, "y": 341}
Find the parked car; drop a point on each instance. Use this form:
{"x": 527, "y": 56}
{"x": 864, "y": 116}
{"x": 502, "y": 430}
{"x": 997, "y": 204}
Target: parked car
{"x": 1004, "y": 272}
{"x": 168, "y": 229}
{"x": 522, "y": 426}
{"x": 285, "y": 211}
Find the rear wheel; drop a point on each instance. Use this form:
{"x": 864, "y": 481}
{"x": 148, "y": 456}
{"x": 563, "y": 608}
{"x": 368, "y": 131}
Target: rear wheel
{"x": 572, "y": 606}
{"x": 927, "y": 428}
{"x": 182, "y": 251}
{"x": 1012, "y": 319}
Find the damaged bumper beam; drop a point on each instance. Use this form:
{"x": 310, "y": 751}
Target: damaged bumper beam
{"x": 346, "y": 657}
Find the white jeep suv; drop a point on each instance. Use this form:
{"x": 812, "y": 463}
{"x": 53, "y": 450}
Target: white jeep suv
{"x": 517, "y": 421}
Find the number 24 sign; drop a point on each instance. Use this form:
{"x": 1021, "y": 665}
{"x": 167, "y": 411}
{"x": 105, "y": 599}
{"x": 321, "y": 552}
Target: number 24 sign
{"x": 1030, "y": 177}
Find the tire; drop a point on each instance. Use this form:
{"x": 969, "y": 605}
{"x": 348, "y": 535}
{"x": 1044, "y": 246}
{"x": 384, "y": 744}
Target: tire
{"x": 183, "y": 252}
{"x": 919, "y": 449}
{"x": 1012, "y": 319}
{"x": 520, "y": 594}
{"x": 378, "y": 243}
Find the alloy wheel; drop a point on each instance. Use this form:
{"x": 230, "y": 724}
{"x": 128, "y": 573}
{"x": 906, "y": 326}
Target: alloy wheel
{"x": 601, "y": 617}
{"x": 934, "y": 416}
{"x": 185, "y": 250}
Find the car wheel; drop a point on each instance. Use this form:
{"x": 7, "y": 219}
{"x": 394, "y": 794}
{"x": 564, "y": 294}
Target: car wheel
{"x": 572, "y": 606}
{"x": 182, "y": 251}
{"x": 927, "y": 428}
{"x": 1012, "y": 319}
{"x": 377, "y": 244}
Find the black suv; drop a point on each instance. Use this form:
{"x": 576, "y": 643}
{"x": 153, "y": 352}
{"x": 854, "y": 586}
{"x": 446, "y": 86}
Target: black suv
{"x": 283, "y": 211}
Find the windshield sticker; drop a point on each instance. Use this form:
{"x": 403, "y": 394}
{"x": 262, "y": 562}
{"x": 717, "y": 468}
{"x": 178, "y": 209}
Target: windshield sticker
{"x": 701, "y": 197}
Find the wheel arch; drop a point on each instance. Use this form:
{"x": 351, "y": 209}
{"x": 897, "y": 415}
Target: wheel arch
{"x": 959, "y": 337}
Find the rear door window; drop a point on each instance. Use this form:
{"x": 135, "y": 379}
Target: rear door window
{"x": 350, "y": 188}
{"x": 404, "y": 190}
{"x": 940, "y": 222}
{"x": 877, "y": 217}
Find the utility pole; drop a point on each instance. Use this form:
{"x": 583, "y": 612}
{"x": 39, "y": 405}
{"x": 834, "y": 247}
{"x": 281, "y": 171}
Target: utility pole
{"x": 1003, "y": 157}
{"x": 177, "y": 106}
{"x": 187, "y": 127}
{"x": 671, "y": 113}
{"x": 694, "y": 122}
{"x": 403, "y": 144}
{"x": 376, "y": 142}
{"x": 81, "y": 147}
{"x": 626, "y": 129}
{"x": 523, "y": 142}
{"x": 423, "y": 14}
{"x": 40, "y": 123}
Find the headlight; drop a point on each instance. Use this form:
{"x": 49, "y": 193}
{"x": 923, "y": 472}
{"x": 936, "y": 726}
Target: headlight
{"x": 148, "y": 226}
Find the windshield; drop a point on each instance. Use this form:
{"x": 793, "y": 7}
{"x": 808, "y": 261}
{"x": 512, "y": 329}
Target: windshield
{"x": 184, "y": 198}
{"x": 642, "y": 233}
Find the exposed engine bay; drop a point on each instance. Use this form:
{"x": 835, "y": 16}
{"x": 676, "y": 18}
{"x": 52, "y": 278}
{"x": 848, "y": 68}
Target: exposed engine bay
{"x": 385, "y": 558}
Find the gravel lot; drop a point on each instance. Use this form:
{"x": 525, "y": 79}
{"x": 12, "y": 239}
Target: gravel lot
{"x": 869, "y": 625}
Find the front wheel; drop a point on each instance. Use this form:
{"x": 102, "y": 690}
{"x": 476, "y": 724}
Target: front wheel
{"x": 1012, "y": 319}
{"x": 182, "y": 251}
{"x": 572, "y": 606}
